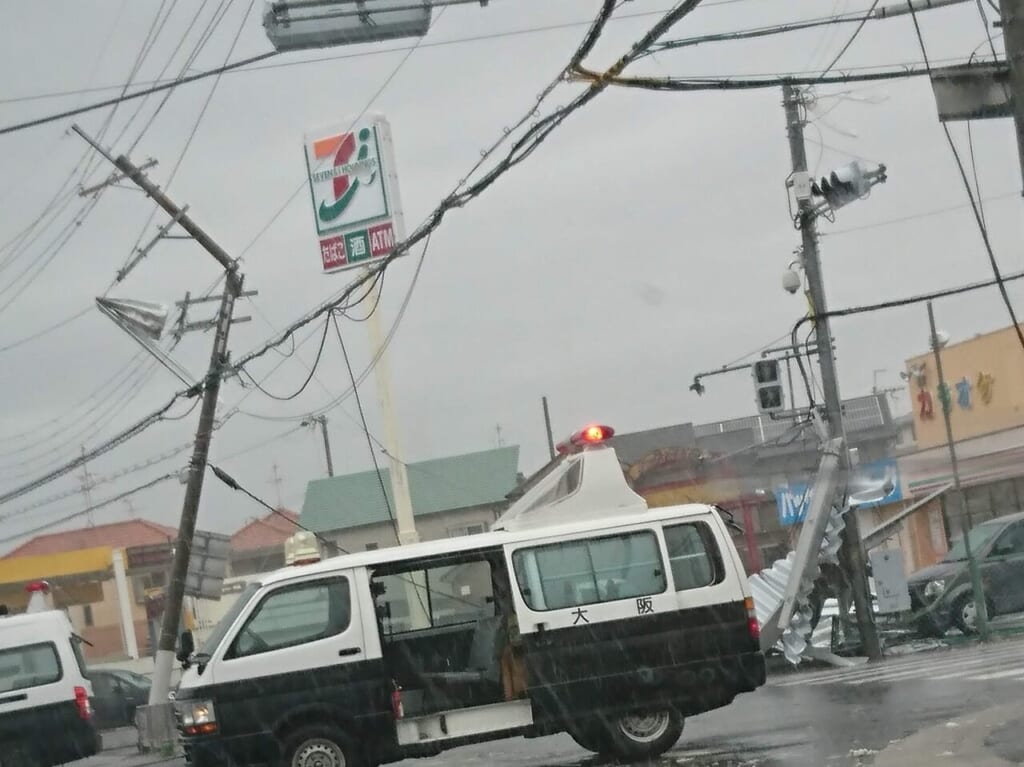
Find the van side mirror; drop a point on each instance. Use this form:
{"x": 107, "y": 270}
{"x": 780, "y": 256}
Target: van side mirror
{"x": 186, "y": 647}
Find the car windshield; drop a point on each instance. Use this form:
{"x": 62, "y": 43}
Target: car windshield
{"x": 217, "y": 635}
{"x": 978, "y": 537}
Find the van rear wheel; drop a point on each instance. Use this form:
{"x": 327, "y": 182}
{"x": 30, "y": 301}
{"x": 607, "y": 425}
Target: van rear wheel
{"x": 644, "y": 734}
{"x": 319, "y": 746}
{"x": 635, "y": 735}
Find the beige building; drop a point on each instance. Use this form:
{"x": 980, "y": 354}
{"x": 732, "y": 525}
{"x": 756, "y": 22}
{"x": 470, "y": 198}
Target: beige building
{"x": 985, "y": 397}
{"x": 81, "y": 567}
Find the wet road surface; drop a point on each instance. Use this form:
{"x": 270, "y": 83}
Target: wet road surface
{"x": 808, "y": 718}
{"x": 822, "y": 718}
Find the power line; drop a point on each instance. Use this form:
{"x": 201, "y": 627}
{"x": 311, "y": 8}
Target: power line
{"x": 521, "y": 149}
{"x": 369, "y": 53}
{"x": 916, "y": 299}
{"x": 136, "y": 94}
{"x": 105, "y": 447}
{"x": 48, "y": 329}
{"x": 916, "y": 216}
{"x": 231, "y": 482}
{"x": 853, "y": 37}
{"x": 96, "y": 506}
{"x": 366, "y": 428}
{"x": 970, "y": 195}
{"x": 302, "y": 388}
{"x": 756, "y": 32}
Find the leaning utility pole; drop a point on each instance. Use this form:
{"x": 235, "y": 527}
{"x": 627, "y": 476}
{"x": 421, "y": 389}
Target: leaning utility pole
{"x": 175, "y": 595}
{"x": 807, "y": 221}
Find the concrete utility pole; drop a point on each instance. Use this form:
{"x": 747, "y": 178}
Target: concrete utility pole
{"x": 980, "y": 606}
{"x": 807, "y": 219}
{"x": 1012, "y": 14}
{"x": 165, "y": 655}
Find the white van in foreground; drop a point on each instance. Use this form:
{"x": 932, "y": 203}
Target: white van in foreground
{"x": 584, "y": 612}
{"x": 45, "y": 714}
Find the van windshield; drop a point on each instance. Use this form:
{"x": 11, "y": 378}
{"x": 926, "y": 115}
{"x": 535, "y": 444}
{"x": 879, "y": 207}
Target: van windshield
{"x": 217, "y": 635}
{"x": 29, "y": 666}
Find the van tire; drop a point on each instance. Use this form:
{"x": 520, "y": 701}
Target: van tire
{"x": 643, "y": 734}
{"x": 319, "y": 745}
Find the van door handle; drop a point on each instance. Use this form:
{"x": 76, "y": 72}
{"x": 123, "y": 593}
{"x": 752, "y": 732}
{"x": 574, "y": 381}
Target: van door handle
{"x": 350, "y": 651}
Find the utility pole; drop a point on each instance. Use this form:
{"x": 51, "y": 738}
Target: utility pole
{"x": 980, "y": 606}
{"x": 322, "y": 420}
{"x": 1012, "y": 16}
{"x": 277, "y": 485}
{"x": 165, "y": 655}
{"x": 807, "y": 220}
{"x": 87, "y": 489}
{"x": 547, "y": 428}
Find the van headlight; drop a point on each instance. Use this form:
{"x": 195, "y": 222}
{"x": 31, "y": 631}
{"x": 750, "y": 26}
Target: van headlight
{"x": 934, "y": 589}
{"x": 197, "y": 717}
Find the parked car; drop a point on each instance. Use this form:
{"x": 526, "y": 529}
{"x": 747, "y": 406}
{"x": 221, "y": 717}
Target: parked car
{"x": 941, "y": 595}
{"x": 117, "y": 692}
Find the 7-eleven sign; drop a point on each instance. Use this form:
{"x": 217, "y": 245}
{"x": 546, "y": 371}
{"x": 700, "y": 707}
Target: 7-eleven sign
{"x": 354, "y": 192}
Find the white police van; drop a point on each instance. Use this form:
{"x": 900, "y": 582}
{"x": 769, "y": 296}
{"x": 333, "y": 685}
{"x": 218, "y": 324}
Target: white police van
{"x": 45, "y": 711}
{"x": 583, "y": 611}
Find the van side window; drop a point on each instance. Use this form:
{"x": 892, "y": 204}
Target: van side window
{"x": 445, "y": 595}
{"x": 295, "y": 615}
{"x": 694, "y": 555}
{"x": 582, "y": 572}
{"x": 29, "y": 666}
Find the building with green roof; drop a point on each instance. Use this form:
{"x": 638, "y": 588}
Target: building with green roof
{"x": 451, "y": 496}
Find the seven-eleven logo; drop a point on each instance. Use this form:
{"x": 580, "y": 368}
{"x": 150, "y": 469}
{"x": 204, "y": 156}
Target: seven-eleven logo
{"x": 354, "y": 165}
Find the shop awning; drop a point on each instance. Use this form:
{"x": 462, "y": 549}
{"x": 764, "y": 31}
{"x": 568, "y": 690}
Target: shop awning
{"x": 85, "y": 563}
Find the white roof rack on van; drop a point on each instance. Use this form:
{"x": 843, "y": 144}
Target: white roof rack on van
{"x": 587, "y": 482}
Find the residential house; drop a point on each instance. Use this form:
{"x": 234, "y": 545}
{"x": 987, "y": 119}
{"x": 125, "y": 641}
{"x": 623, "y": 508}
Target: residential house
{"x": 259, "y": 546}
{"x": 456, "y": 495}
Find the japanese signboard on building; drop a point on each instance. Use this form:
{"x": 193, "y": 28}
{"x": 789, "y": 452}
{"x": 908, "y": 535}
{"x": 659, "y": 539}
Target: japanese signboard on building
{"x": 977, "y": 390}
{"x": 354, "y": 190}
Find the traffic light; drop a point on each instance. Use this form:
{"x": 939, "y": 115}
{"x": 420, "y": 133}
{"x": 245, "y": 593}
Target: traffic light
{"x": 848, "y": 183}
{"x": 768, "y": 387}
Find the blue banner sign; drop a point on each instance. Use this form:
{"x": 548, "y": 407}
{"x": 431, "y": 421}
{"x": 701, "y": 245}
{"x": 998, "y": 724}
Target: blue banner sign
{"x": 872, "y": 484}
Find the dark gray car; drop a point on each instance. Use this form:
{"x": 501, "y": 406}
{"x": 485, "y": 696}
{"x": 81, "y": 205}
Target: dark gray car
{"x": 941, "y": 595}
{"x": 116, "y": 694}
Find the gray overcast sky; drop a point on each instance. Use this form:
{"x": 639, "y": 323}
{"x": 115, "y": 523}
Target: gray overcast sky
{"x": 643, "y": 242}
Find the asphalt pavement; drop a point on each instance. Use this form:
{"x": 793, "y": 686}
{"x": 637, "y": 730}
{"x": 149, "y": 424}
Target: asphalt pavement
{"x": 959, "y": 706}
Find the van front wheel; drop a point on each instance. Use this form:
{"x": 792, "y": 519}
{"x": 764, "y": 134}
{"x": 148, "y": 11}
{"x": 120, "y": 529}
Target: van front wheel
{"x": 319, "y": 746}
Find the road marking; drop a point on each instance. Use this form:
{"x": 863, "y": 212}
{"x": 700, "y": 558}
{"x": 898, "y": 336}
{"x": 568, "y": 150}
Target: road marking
{"x": 969, "y": 663}
{"x": 998, "y": 674}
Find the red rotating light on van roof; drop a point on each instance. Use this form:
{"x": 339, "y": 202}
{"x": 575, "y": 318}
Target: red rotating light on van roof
{"x": 38, "y": 586}
{"x": 589, "y": 435}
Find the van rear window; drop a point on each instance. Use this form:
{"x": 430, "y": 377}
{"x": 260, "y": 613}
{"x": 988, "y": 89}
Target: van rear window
{"x": 694, "y": 556}
{"x": 29, "y": 666}
{"x": 573, "y": 573}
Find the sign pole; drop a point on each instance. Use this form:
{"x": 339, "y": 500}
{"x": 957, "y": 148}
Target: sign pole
{"x": 980, "y": 606}
{"x": 399, "y": 476}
